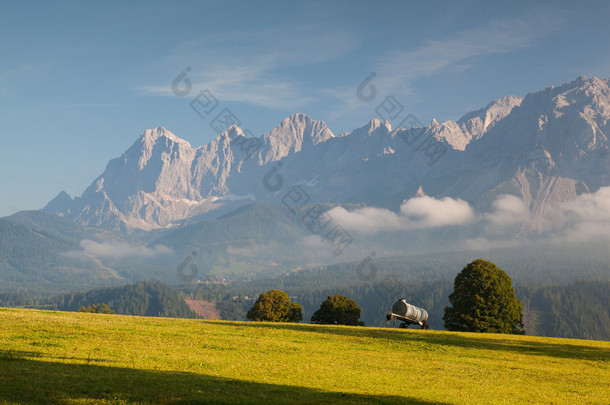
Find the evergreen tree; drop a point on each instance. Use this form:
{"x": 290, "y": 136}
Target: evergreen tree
{"x": 275, "y": 306}
{"x": 337, "y": 310}
{"x": 483, "y": 300}
{"x": 95, "y": 309}
{"x": 106, "y": 309}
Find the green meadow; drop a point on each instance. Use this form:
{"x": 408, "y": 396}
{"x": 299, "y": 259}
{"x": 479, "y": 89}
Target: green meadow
{"x": 79, "y": 358}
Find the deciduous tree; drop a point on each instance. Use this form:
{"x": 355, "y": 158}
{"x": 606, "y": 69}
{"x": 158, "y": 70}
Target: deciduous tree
{"x": 483, "y": 300}
{"x": 337, "y": 310}
{"x": 275, "y": 306}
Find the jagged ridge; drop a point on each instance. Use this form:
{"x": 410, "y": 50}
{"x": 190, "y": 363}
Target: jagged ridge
{"x": 550, "y": 145}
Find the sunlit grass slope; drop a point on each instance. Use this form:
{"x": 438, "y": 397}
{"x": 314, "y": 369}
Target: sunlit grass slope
{"x": 55, "y": 357}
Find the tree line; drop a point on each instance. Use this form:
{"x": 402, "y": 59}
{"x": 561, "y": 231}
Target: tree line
{"x": 577, "y": 310}
{"x": 145, "y": 298}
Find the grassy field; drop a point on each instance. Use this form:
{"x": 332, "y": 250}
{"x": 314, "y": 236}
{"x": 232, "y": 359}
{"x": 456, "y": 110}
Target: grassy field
{"x": 59, "y": 357}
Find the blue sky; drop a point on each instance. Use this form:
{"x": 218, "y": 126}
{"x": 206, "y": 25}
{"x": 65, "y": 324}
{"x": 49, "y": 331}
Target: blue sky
{"x": 81, "y": 80}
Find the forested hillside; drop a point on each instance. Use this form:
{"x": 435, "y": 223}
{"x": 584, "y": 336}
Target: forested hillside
{"x": 579, "y": 310}
{"x": 143, "y": 298}
{"x": 53, "y": 225}
{"x": 33, "y": 260}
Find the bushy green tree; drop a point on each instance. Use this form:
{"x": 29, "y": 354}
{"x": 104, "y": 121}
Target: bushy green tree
{"x": 483, "y": 300}
{"x": 337, "y": 310}
{"x": 275, "y": 306}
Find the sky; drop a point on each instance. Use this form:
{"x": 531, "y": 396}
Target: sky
{"x": 81, "y": 80}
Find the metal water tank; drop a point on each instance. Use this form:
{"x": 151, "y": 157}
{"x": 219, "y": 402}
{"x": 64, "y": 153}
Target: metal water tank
{"x": 404, "y": 309}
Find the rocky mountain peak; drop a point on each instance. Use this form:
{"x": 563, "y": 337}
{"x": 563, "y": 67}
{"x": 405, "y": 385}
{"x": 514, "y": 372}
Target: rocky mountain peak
{"x": 292, "y": 135}
{"x": 58, "y": 204}
{"x": 153, "y": 135}
{"x": 373, "y": 126}
{"x": 302, "y": 128}
{"x": 230, "y": 134}
{"x": 296, "y": 118}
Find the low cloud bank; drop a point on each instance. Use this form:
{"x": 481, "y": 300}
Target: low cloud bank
{"x": 580, "y": 219}
{"x": 121, "y": 250}
{"x": 416, "y": 213}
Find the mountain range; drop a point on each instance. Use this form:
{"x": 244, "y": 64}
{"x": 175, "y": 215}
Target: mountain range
{"x": 547, "y": 147}
{"x": 518, "y": 171}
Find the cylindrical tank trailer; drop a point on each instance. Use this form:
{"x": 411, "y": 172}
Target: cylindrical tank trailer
{"x": 408, "y": 314}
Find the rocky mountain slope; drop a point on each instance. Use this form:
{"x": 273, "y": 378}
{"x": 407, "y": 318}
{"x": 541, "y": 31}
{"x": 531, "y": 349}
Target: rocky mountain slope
{"x": 548, "y": 146}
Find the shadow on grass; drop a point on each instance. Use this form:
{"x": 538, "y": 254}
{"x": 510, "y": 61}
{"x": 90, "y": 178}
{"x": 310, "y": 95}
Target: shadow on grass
{"x": 509, "y": 344}
{"x": 21, "y": 354}
{"x": 33, "y": 381}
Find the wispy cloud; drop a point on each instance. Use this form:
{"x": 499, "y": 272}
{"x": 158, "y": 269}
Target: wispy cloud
{"x": 249, "y": 67}
{"x": 257, "y": 68}
{"x": 26, "y": 72}
{"x": 398, "y": 70}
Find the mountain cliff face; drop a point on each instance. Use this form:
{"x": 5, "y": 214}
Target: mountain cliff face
{"x": 553, "y": 146}
{"x": 549, "y": 146}
{"x": 161, "y": 180}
